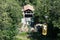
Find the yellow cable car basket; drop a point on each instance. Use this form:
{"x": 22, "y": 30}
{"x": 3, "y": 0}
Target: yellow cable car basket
{"x": 44, "y": 29}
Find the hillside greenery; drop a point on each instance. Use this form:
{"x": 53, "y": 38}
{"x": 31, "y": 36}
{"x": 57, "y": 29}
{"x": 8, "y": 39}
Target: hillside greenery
{"x": 11, "y": 14}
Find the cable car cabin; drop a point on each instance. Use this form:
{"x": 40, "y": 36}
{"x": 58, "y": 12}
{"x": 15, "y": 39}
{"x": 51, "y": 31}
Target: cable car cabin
{"x": 28, "y": 13}
{"x": 28, "y": 10}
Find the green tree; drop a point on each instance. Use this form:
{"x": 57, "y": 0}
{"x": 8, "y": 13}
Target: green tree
{"x": 10, "y": 17}
{"x": 48, "y": 8}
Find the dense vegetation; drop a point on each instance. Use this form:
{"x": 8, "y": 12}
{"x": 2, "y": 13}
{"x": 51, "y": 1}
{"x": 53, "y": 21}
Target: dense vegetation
{"x": 11, "y": 14}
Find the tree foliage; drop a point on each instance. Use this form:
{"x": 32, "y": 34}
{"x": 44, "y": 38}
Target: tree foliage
{"x": 10, "y": 14}
{"x": 48, "y": 8}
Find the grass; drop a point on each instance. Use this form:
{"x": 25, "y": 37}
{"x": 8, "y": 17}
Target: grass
{"x": 22, "y": 36}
